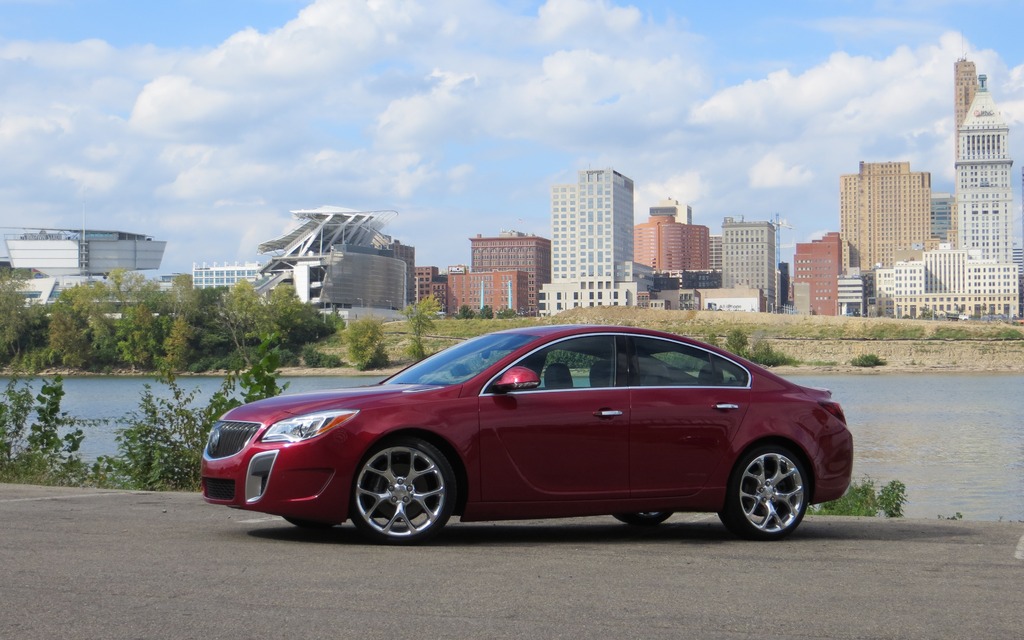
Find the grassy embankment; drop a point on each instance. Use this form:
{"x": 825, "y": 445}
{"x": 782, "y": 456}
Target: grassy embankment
{"x": 818, "y": 343}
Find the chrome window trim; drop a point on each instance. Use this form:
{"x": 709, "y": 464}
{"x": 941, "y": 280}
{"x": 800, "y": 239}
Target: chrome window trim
{"x": 748, "y": 386}
{"x": 484, "y": 393}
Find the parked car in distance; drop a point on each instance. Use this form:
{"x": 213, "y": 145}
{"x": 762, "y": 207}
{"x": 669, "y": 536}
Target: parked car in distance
{"x": 540, "y": 422}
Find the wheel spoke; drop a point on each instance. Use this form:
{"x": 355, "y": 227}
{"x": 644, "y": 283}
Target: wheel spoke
{"x": 378, "y": 498}
{"x": 399, "y": 515}
{"x": 415, "y": 473}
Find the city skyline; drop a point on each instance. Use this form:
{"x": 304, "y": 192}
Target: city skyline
{"x": 206, "y": 125}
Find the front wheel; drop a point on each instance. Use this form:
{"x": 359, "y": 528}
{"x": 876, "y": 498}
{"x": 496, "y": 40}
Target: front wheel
{"x": 404, "y": 492}
{"x": 644, "y": 518}
{"x": 767, "y": 494}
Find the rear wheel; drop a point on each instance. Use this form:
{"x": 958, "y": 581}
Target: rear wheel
{"x": 767, "y": 494}
{"x": 404, "y": 492}
{"x": 644, "y": 518}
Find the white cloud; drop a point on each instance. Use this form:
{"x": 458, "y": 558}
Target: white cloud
{"x": 686, "y": 188}
{"x": 560, "y": 20}
{"x": 772, "y": 171}
{"x": 170, "y": 104}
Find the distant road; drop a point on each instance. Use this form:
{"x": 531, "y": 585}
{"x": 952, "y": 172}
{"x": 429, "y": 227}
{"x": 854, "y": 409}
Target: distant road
{"x": 81, "y": 563}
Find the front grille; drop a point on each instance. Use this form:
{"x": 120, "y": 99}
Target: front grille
{"x": 228, "y": 438}
{"x": 219, "y": 489}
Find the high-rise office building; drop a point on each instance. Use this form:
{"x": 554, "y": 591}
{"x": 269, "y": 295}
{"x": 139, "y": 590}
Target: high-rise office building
{"x": 715, "y": 252}
{"x": 665, "y": 244}
{"x": 591, "y": 244}
{"x": 943, "y": 207}
{"x": 984, "y": 191}
{"x": 965, "y": 86}
{"x": 515, "y": 251}
{"x": 748, "y": 257}
{"x": 884, "y": 209}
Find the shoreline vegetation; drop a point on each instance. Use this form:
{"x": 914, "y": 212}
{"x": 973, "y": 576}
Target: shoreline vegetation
{"x": 815, "y": 344}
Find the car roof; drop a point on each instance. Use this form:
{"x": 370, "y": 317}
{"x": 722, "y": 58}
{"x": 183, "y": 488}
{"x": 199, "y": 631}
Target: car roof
{"x": 553, "y": 330}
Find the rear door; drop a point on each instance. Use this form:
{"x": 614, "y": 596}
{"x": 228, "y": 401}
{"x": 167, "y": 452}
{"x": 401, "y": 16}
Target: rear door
{"x": 685, "y": 406}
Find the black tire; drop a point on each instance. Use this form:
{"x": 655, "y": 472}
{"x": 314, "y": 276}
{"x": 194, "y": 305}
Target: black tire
{"x": 308, "y": 524}
{"x": 403, "y": 493}
{"x": 767, "y": 494}
{"x": 644, "y": 518}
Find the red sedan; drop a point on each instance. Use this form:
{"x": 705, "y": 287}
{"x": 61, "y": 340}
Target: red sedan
{"x": 539, "y": 422}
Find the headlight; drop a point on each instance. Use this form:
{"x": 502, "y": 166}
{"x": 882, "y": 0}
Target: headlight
{"x": 306, "y": 427}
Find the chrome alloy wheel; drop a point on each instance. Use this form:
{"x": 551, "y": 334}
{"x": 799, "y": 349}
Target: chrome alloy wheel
{"x": 771, "y": 493}
{"x": 402, "y": 492}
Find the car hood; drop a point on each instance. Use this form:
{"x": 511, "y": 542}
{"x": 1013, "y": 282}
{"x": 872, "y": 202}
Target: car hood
{"x": 279, "y": 407}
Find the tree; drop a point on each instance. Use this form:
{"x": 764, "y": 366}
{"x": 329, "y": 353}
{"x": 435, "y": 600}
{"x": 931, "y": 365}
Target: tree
{"x": 241, "y": 312}
{"x": 14, "y": 313}
{"x": 421, "y": 319}
{"x": 82, "y": 327}
{"x": 296, "y": 322}
{"x": 138, "y": 336}
{"x": 177, "y": 344}
{"x": 465, "y": 313}
{"x": 68, "y": 336}
{"x": 365, "y": 339}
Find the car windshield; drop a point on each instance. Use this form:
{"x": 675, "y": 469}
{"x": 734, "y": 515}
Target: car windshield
{"x": 461, "y": 362}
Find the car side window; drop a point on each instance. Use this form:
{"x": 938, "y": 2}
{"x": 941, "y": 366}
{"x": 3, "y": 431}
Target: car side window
{"x": 577, "y": 363}
{"x": 664, "y": 363}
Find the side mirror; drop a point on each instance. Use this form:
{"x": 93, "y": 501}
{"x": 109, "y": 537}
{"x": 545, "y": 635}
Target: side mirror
{"x": 516, "y": 378}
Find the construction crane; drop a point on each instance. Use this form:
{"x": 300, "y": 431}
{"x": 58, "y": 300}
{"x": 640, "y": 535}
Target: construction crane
{"x": 779, "y": 223}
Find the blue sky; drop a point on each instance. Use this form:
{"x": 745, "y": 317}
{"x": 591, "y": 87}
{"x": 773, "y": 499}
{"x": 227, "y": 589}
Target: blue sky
{"x": 205, "y": 123}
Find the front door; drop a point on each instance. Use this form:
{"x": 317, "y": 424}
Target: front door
{"x": 568, "y": 439}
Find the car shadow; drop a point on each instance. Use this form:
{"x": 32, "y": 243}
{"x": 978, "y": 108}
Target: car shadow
{"x": 596, "y": 531}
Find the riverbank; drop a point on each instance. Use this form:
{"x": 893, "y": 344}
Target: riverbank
{"x": 820, "y": 344}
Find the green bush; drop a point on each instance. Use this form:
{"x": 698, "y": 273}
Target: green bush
{"x": 867, "y": 360}
{"x": 861, "y": 499}
{"x": 320, "y": 360}
{"x": 365, "y": 339}
{"x": 39, "y": 442}
{"x": 763, "y": 354}
{"x": 162, "y": 446}
{"x": 737, "y": 342}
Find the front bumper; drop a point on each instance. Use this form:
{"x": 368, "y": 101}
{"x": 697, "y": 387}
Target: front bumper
{"x": 298, "y": 480}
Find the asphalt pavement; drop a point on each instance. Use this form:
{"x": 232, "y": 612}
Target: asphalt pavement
{"x": 86, "y": 563}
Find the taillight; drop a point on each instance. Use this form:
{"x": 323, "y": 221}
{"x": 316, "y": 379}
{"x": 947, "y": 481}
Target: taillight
{"x": 834, "y": 409}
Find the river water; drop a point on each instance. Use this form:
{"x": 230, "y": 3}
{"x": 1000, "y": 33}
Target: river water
{"x": 956, "y": 441}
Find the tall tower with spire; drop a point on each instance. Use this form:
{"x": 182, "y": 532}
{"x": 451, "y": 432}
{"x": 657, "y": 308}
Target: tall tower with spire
{"x": 965, "y": 85}
{"x": 984, "y": 192}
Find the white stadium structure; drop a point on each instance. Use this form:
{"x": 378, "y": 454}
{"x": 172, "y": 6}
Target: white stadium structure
{"x": 59, "y": 258}
{"x": 340, "y": 260}
{"x": 89, "y": 252}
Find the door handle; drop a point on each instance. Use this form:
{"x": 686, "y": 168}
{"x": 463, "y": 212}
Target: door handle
{"x": 727, "y": 406}
{"x": 607, "y": 413}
